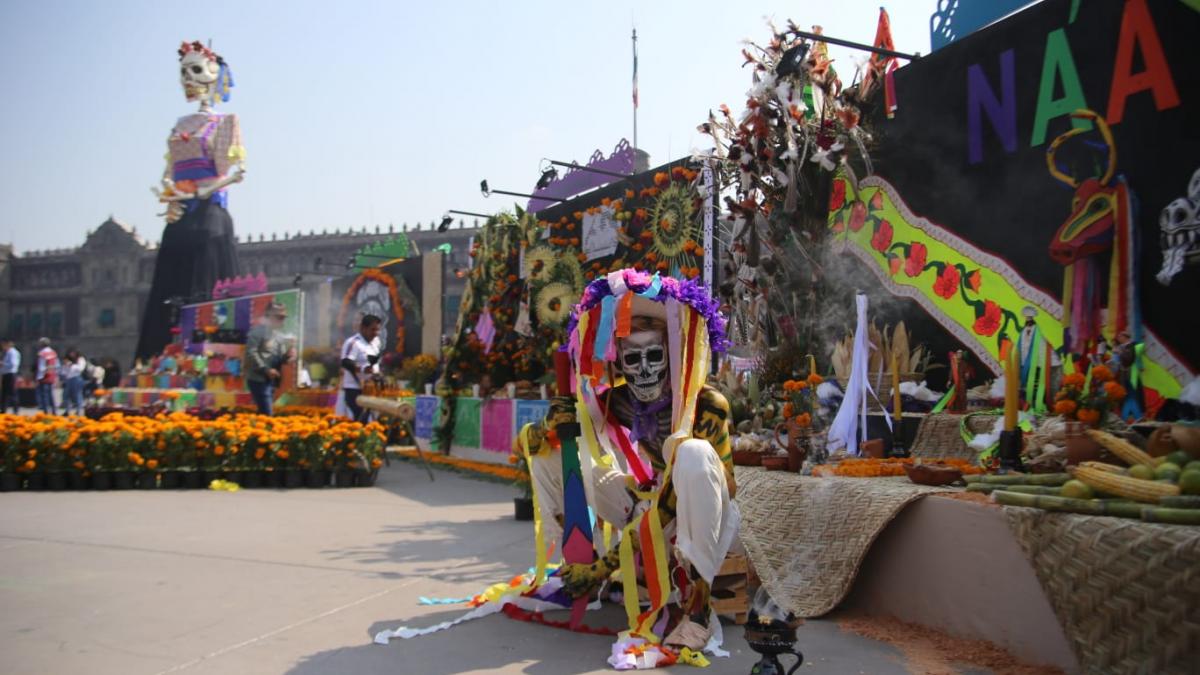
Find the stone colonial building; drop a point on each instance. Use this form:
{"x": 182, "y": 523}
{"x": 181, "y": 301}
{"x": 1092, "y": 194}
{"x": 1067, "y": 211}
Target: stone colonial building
{"x": 91, "y": 297}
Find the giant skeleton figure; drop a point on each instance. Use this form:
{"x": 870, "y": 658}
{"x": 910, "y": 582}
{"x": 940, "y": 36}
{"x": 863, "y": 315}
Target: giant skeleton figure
{"x": 695, "y": 505}
{"x": 204, "y": 156}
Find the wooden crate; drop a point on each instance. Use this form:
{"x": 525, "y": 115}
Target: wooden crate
{"x": 730, "y": 588}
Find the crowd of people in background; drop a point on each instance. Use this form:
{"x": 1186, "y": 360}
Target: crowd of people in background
{"x": 74, "y": 374}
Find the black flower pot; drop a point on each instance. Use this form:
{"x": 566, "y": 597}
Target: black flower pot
{"x": 147, "y": 480}
{"x": 56, "y": 481}
{"x": 192, "y": 480}
{"x": 293, "y": 478}
{"x": 77, "y": 481}
{"x": 366, "y": 478}
{"x": 35, "y": 481}
{"x": 316, "y": 478}
{"x": 343, "y": 478}
{"x": 273, "y": 479}
{"x": 206, "y": 476}
{"x": 9, "y": 482}
{"x": 523, "y": 508}
{"x": 234, "y": 477}
{"x": 252, "y": 479}
{"x": 122, "y": 480}
{"x": 170, "y": 480}
{"x": 102, "y": 480}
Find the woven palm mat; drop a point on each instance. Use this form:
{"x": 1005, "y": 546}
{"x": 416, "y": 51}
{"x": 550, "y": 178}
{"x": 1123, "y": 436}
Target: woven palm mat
{"x": 940, "y": 435}
{"x": 807, "y": 536}
{"x": 1127, "y": 593}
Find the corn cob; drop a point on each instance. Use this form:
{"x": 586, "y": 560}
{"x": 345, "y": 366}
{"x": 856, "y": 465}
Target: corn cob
{"x": 1121, "y": 448}
{"x": 1020, "y": 479}
{"x": 1181, "y": 502}
{"x": 1091, "y": 507}
{"x": 1125, "y": 486}
{"x": 1104, "y": 466}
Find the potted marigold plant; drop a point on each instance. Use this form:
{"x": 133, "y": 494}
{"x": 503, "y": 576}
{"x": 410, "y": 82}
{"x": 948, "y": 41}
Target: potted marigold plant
{"x": 523, "y": 504}
{"x": 12, "y": 457}
{"x": 1086, "y": 401}
{"x": 800, "y": 406}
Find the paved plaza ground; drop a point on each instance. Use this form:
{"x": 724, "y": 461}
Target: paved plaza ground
{"x": 298, "y": 582}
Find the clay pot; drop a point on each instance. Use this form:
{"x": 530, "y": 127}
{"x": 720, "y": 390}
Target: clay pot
{"x": 873, "y": 448}
{"x": 1187, "y": 438}
{"x": 1080, "y": 446}
{"x": 747, "y": 458}
{"x": 776, "y": 462}
{"x": 932, "y": 474}
{"x": 797, "y": 444}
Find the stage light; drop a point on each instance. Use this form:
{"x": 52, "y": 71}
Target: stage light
{"x": 445, "y": 224}
{"x": 548, "y": 176}
{"x": 483, "y": 187}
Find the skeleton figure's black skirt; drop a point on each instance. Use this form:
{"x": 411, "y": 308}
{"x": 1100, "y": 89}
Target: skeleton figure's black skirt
{"x": 197, "y": 250}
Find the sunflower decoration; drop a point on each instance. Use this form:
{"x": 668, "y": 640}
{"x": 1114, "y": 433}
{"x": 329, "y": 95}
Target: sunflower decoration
{"x": 539, "y": 263}
{"x": 672, "y": 224}
{"x": 554, "y": 302}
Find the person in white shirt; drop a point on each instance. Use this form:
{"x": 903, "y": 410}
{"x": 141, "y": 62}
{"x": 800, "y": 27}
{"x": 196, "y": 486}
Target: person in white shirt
{"x": 72, "y": 368}
{"x": 360, "y": 361}
{"x": 8, "y": 377}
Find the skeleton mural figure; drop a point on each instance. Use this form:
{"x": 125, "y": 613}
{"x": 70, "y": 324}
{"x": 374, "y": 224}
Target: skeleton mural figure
{"x": 694, "y": 486}
{"x": 1180, "y": 224}
{"x": 204, "y": 156}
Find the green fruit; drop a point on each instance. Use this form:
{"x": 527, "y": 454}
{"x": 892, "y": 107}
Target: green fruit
{"x": 1178, "y": 458}
{"x": 1167, "y": 471}
{"x": 1142, "y": 471}
{"x": 1189, "y": 482}
{"x": 1077, "y": 489}
{"x": 1193, "y": 465}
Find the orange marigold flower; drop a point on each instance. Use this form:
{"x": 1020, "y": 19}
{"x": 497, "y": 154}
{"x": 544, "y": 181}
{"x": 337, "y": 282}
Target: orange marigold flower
{"x": 804, "y": 420}
{"x": 815, "y": 379}
{"x": 788, "y": 409}
{"x": 629, "y": 194}
{"x": 1073, "y": 380}
{"x": 1065, "y": 407}
{"x": 1089, "y": 416}
{"x": 1101, "y": 374}
{"x": 150, "y": 464}
{"x": 1114, "y": 392}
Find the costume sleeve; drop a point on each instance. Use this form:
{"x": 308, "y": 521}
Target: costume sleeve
{"x": 228, "y": 150}
{"x": 712, "y": 424}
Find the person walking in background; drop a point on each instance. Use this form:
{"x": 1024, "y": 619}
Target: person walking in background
{"x": 8, "y": 376}
{"x": 112, "y": 374}
{"x": 266, "y": 354}
{"x": 45, "y": 375}
{"x": 360, "y": 359}
{"x": 72, "y": 369}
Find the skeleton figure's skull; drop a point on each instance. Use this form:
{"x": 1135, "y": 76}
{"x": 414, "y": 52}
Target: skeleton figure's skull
{"x": 1179, "y": 225}
{"x": 643, "y": 362}
{"x": 198, "y": 75}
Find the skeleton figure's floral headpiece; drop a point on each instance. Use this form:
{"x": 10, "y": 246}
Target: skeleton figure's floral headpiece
{"x": 203, "y": 70}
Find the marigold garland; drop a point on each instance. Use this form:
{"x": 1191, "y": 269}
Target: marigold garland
{"x": 870, "y": 467}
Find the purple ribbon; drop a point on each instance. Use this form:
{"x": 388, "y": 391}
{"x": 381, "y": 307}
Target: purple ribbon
{"x": 645, "y": 418}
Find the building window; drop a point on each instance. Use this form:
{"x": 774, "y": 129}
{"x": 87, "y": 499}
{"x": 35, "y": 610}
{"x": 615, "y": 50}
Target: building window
{"x": 54, "y": 324}
{"x": 35, "y": 323}
{"x": 108, "y": 317}
{"x": 16, "y": 325}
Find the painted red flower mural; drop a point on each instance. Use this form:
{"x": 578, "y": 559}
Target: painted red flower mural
{"x": 915, "y": 263}
{"x": 837, "y": 196}
{"x": 858, "y": 216}
{"x": 988, "y": 322}
{"x": 883, "y": 237}
{"x": 975, "y": 280}
{"x": 894, "y": 264}
{"x": 947, "y": 282}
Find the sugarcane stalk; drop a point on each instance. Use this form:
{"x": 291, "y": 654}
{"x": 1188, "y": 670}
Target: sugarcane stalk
{"x": 1091, "y": 507}
{"x": 1025, "y": 489}
{"x": 1180, "y": 501}
{"x": 1160, "y": 514}
{"x": 1020, "y": 479}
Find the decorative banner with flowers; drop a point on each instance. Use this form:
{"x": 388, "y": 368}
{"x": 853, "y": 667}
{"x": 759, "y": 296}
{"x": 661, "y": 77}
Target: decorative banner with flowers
{"x": 975, "y": 295}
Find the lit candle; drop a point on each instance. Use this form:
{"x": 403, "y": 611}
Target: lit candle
{"x": 812, "y": 365}
{"x": 896, "y": 411}
{"x": 1010, "y": 391}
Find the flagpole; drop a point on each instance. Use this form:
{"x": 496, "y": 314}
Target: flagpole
{"x": 635, "y": 89}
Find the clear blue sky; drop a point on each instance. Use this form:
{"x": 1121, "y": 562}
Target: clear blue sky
{"x": 363, "y": 113}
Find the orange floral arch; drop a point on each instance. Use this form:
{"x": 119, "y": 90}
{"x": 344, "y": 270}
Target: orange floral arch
{"x": 393, "y": 292}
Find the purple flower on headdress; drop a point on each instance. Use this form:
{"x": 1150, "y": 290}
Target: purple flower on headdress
{"x": 691, "y": 292}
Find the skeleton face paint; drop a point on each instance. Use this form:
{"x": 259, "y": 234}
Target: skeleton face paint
{"x": 1179, "y": 223}
{"x": 643, "y": 362}
{"x": 198, "y": 75}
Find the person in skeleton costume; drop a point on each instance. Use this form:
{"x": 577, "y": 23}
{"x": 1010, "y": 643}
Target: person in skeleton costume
{"x": 659, "y": 440}
{"x": 204, "y": 156}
